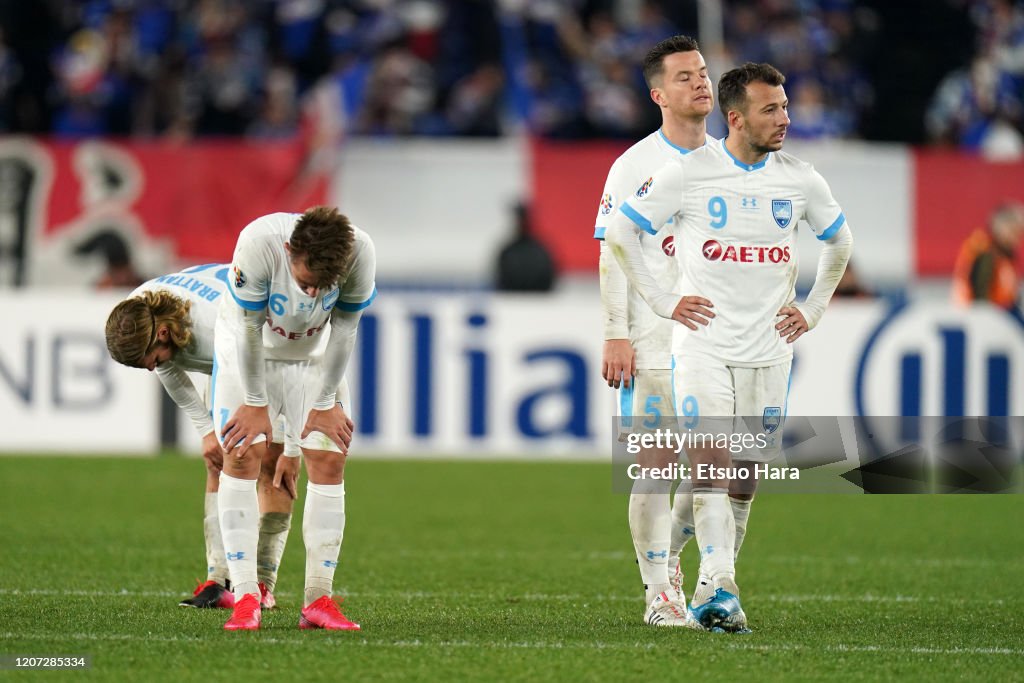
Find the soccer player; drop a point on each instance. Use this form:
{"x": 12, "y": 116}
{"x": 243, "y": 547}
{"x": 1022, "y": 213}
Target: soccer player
{"x": 637, "y": 356}
{"x": 736, "y": 204}
{"x": 167, "y": 325}
{"x": 295, "y": 279}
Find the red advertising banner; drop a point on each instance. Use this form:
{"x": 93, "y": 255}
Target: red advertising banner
{"x": 194, "y": 197}
{"x": 955, "y": 193}
{"x": 567, "y": 182}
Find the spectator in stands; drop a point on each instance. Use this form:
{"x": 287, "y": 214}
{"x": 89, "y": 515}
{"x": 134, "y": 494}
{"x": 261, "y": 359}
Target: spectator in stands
{"x": 559, "y": 68}
{"x": 985, "y": 268}
{"x": 978, "y": 108}
{"x": 524, "y": 264}
{"x": 119, "y": 273}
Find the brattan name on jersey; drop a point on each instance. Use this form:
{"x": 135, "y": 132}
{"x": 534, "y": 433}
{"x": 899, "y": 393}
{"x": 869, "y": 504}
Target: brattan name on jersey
{"x": 203, "y": 287}
{"x": 650, "y": 335}
{"x": 262, "y": 279}
{"x": 735, "y": 241}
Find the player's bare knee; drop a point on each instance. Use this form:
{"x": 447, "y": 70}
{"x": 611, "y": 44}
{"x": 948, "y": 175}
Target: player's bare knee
{"x": 268, "y": 463}
{"x": 324, "y": 467}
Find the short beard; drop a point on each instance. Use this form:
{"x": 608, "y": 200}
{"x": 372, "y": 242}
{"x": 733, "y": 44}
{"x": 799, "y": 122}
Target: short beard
{"x": 763, "y": 149}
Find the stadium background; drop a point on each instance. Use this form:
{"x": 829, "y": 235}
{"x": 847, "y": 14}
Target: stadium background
{"x": 152, "y": 131}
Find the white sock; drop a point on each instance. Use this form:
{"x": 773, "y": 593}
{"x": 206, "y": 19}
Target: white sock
{"x": 216, "y": 563}
{"x": 716, "y": 535}
{"x": 274, "y": 528}
{"x": 239, "y": 526}
{"x": 323, "y": 526}
{"x": 650, "y": 520}
{"x": 682, "y": 521}
{"x": 740, "y": 513}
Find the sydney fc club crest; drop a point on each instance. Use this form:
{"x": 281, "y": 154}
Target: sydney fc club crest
{"x": 782, "y": 212}
{"x": 645, "y": 188}
{"x": 772, "y": 418}
{"x": 607, "y": 204}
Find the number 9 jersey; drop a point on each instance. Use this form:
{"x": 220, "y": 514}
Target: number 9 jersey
{"x": 735, "y": 241}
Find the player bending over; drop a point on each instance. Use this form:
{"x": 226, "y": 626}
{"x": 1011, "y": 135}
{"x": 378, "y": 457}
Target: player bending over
{"x": 295, "y": 279}
{"x": 167, "y": 325}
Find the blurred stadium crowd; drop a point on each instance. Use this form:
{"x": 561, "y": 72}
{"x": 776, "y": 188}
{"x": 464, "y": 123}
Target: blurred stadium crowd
{"x": 558, "y": 68}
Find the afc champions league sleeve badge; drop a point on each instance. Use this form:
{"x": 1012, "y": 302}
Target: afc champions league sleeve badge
{"x": 239, "y": 277}
{"x": 644, "y": 189}
{"x": 782, "y": 212}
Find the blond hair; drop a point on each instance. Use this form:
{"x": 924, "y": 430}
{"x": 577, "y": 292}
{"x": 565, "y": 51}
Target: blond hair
{"x": 132, "y": 325}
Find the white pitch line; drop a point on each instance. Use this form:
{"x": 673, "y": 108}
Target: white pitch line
{"x": 532, "y": 645}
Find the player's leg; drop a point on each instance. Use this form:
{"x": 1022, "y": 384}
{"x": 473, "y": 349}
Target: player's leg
{"x": 238, "y": 504}
{"x": 761, "y": 397}
{"x": 323, "y": 519}
{"x": 649, "y": 403}
{"x": 649, "y": 512}
{"x": 214, "y": 591}
{"x": 682, "y": 532}
{"x": 275, "y": 522}
{"x": 705, "y": 392}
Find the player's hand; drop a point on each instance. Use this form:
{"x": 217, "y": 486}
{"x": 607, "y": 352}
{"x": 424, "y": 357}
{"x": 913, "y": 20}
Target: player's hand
{"x": 247, "y": 423}
{"x": 618, "y": 363}
{"x": 793, "y": 324}
{"x": 332, "y": 423}
{"x": 692, "y": 311}
{"x": 286, "y": 475}
{"x": 213, "y": 454}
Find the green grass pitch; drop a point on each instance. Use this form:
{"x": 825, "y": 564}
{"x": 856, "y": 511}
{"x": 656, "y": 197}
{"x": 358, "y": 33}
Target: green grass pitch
{"x": 501, "y": 571}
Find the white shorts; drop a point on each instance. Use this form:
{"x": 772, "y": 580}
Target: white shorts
{"x": 291, "y": 447}
{"x": 708, "y": 390}
{"x": 292, "y": 389}
{"x": 644, "y": 405}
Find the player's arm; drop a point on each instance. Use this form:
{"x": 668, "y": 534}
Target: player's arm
{"x": 183, "y": 392}
{"x": 357, "y": 292}
{"x": 249, "y": 286}
{"x": 618, "y": 358}
{"x": 830, "y": 227}
{"x": 648, "y": 213}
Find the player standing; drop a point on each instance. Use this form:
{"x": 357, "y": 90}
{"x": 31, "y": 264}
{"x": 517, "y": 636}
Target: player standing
{"x": 167, "y": 325}
{"x": 295, "y": 278}
{"x": 637, "y": 357}
{"x": 737, "y": 204}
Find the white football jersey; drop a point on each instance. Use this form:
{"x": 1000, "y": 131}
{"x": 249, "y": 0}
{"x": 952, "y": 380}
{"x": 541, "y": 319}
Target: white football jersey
{"x": 736, "y": 243}
{"x": 204, "y": 287}
{"x": 650, "y": 334}
{"x": 261, "y": 279}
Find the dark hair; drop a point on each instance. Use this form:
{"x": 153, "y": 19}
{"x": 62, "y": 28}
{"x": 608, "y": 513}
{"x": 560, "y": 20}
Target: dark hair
{"x": 654, "y": 62}
{"x": 732, "y": 88}
{"x": 325, "y": 239}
